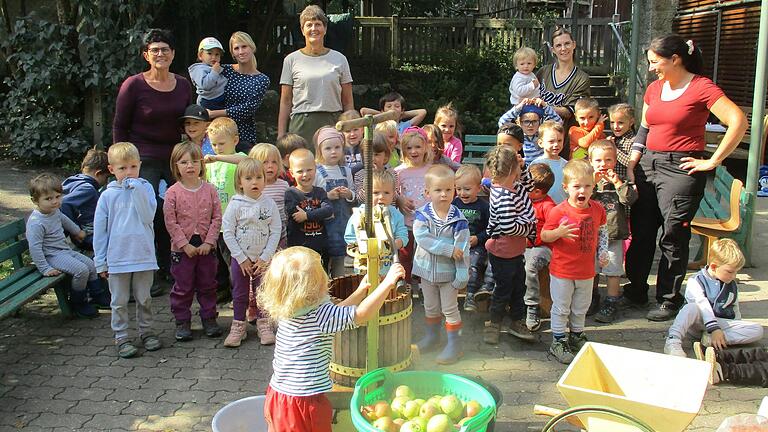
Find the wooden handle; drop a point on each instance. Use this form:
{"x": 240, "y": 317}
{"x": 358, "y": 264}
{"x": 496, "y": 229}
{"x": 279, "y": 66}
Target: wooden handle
{"x": 366, "y": 121}
{"x": 552, "y": 412}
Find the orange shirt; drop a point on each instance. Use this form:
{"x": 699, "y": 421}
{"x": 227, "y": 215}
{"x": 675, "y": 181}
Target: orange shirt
{"x": 582, "y": 138}
{"x": 574, "y": 259}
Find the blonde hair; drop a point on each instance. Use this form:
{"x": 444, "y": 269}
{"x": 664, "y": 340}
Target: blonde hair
{"x": 384, "y": 177}
{"x": 501, "y": 162}
{"x": 244, "y": 38}
{"x": 294, "y": 281}
{"x": 262, "y": 151}
{"x": 471, "y": 171}
{"x": 311, "y": 13}
{"x": 577, "y": 169}
{"x": 622, "y": 107}
{"x": 300, "y": 154}
{"x": 121, "y": 152}
{"x": 586, "y": 103}
{"x": 387, "y": 127}
{"x": 42, "y": 184}
{"x": 179, "y": 150}
{"x": 726, "y": 252}
{"x": 524, "y": 53}
{"x": 246, "y": 167}
{"x": 436, "y": 173}
{"x": 408, "y": 139}
{"x": 604, "y": 145}
{"x": 446, "y": 112}
{"x": 329, "y": 133}
{"x": 551, "y": 125}
{"x": 223, "y": 125}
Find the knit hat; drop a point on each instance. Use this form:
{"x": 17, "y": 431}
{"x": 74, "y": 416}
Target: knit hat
{"x": 530, "y": 108}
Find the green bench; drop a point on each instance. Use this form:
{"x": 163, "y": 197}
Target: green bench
{"x": 725, "y": 211}
{"x": 476, "y": 147}
{"x": 24, "y": 283}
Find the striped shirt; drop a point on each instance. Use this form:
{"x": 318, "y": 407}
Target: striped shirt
{"x": 276, "y": 191}
{"x": 303, "y": 349}
{"x": 511, "y": 210}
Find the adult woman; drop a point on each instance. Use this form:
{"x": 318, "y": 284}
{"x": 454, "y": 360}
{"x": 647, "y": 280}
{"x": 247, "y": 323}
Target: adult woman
{"x": 562, "y": 83}
{"x": 316, "y": 84}
{"x": 147, "y": 113}
{"x": 245, "y": 89}
{"x": 671, "y": 175}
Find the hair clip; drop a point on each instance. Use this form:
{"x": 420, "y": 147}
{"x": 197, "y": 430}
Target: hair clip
{"x": 690, "y": 46}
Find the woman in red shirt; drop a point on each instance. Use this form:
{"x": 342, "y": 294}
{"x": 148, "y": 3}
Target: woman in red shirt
{"x": 672, "y": 169}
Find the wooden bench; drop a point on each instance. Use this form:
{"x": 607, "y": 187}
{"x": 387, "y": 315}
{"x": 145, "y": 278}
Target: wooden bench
{"x": 723, "y": 212}
{"x": 25, "y": 283}
{"x": 742, "y": 151}
{"x": 476, "y": 147}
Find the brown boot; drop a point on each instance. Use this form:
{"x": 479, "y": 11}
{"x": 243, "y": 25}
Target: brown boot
{"x": 266, "y": 334}
{"x": 491, "y": 333}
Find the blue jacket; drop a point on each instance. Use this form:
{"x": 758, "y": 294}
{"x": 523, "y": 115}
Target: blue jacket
{"x": 433, "y": 258}
{"x": 396, "y": 222}
{"x": 81, "y": 193}
{"x": 714, "y": 298}
{"x": 123, "y": 234}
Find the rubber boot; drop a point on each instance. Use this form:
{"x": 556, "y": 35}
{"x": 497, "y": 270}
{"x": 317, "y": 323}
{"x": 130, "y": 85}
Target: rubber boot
{"x": 80, "y": 305}
{"x": 431, "y": 334}
{"x": 452, "y": 351}
{"x": 99, "y": 293}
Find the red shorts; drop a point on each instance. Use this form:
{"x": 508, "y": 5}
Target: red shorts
{"x": 297, "y": 413}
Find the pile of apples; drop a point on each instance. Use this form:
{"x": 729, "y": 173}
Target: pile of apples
{"x": 406, "y": 413}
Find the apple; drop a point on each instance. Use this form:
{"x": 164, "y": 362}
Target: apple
{"x": 382, "y": 409}
{"x": 428, "y": 410}
{"x": 404, "y": 390}
{"x": 440, "y": 423}
{"x": 398, "y": 404}
{"x": 421, "y": 421}
{"x": 473, "y": 408}
{"x": 386, "y": 424}
{"x": 399, "y": 422}
{"x": 412, "y": 426}
{"x": 451, "y": 406}
{"x": 411, "y": 409}
{"x": 368, "y": 413}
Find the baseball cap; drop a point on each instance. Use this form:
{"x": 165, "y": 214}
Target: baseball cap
{"x": 209, "y": 43}
{"x": 513, "y": 130}
{"x": 195, "y": 112}
{"x": 531, "y": 108}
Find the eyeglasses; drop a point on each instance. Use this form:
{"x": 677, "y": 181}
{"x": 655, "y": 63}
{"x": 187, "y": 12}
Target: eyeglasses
{"x": 188, "y": 162}
{"x": 530, "y": 122}
{"x": 156, "y": 51}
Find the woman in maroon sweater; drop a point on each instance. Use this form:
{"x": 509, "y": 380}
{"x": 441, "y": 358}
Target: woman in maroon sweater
{"x": 672, "y": 170}
{"x": 147, "y": 113}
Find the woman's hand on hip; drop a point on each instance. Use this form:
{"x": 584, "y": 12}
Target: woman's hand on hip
{"x": 693, "y": 165}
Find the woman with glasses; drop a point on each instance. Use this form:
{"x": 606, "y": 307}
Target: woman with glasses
{"x": 147, "y": 110}
{"x": 245, "y": 89}
{"x": 562, "y": 82}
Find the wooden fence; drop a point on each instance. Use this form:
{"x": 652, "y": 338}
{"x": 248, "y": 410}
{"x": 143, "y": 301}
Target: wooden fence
{"x": 397, "y": 40}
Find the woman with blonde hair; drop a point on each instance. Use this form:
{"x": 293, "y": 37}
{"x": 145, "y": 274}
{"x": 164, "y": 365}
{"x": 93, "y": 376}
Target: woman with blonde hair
{"x": 245, "y": 89}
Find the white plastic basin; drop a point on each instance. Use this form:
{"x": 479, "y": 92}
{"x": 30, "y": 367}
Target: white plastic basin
{"x": 244, "y": 415}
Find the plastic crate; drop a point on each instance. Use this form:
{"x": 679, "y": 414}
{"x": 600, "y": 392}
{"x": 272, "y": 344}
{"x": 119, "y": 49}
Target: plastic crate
{"x": 380, "y": 384}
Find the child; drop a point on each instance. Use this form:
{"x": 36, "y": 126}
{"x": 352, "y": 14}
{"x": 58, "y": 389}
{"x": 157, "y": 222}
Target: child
{"x": 476, "y": 213}
{"x": 124, "y": 246}
{"x": 411, "y": 186}
{"x": 353, "y": 151}
{"x": 537, "y": 253}
{"x": 287, "y": 144}
{"x": 616, "y": 196}
{"x": 307, "y": 206}
{"x": 524, "y": 84}
{"x": 435, "y": 141}
{"x": 576, "y": 231}
{"x": 207, "y": 75}
{"x": 381, "y": 154}
{"x": 622, "y": 117}
{"x": 81, "y": 193}
{"x": 441, "y": 260}
{"x": 294, "y": 292}
{"x": 196, "y": 121}
{"x": 530, "y": 114}
{"x": 274, "y": 186}
{"x": 51, "y": 253}
{"x": 251, "y": 227}
{"x": 389, "y": 129}
{"x": 551, "y": 136}
{"x": 712, "y": 305}
{"x": 447, "y": 119}
{"x": 394, "y": 101}
{"x": 510, "y": 134}
{"x": 383, "y": 195}
{"x": 511, "y": 221}
{"x": 193, "y": 218}
{"x": 336, "y": 178}
{"x": 590, "y": 128}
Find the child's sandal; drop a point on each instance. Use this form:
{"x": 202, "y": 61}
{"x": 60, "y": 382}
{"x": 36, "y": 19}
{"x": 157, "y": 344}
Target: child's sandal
{"x": 126, "y": 349}
{"x": 151, "y": 342}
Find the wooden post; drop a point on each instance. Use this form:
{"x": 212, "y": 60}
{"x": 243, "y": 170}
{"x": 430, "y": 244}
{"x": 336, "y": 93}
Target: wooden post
{"x": 470, "y": 28}
{"x": 394, "y": 45}
{"x": 575, "y": 29}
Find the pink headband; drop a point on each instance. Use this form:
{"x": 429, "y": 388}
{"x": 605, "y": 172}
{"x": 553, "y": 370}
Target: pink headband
{"x": 418, "y": 130}
{"x": 326, "y": 133}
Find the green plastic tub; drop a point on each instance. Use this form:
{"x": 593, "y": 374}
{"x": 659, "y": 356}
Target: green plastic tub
{"x": 379, "y": 385}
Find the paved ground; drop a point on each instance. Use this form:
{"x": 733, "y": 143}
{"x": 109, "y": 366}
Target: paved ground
{"x": 63, "y": 375}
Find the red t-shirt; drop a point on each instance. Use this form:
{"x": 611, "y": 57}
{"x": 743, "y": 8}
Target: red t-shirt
{"x": 541, "y": 208}
{"x": 574, "y": 259}
{"x": 678, "y": 125}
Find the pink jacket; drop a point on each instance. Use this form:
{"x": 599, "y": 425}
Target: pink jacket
{"x": 188, "y": 213}
{"x": 454, "y": 149}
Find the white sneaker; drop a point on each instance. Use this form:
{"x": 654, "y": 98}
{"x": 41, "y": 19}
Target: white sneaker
{"x": 674, "y": 347}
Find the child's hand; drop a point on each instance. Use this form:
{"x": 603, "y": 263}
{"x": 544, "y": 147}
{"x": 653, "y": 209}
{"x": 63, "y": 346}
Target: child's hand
{"x": 395, "y": 273}
{"x": 80, "y": 236}
{"x": 246, "y": 267}
{"x": 458, "y": 254}
{"x": 104, "y": 275}
{"x": 344, "y": 192}
{"x": 631, "y": 177}
{"x": 612, "y": 177}
{"x": 300, "y": 215}
{"x": 604, "y": 260}
{"x": 539, "y": 102}
{"x": 204, "y": 249}
{"x": 398, "y": 243}
{"x": 216, "y": 66}
{"x": 472, "y": 241}
{"x": 718, "y": 340}
{"x": 209, "y": 158}
{"x": 566, "y": 230}
{"x": 334, "y": 193}
{"x": 190, "y": 250}
{"x": 602, "y": 119}
{"x": 535, "y": 82}
{"x": 409, "y": 206}
{"x": 53, "y": 272}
